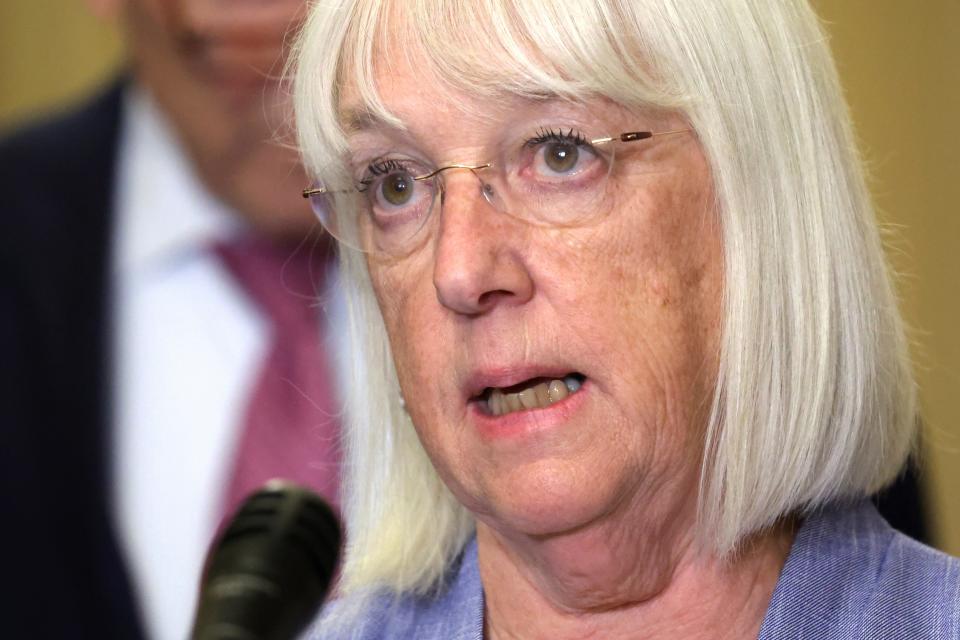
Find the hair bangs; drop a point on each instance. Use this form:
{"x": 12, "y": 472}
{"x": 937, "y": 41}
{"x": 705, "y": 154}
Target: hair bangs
{"x": 580, "y": 54}
{"x": 569, "y": 50}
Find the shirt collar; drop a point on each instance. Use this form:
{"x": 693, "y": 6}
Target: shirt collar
{"x": 165, "y": 213}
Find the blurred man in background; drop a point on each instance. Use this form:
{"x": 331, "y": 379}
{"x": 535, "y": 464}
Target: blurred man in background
{"x": 153, "y": 248}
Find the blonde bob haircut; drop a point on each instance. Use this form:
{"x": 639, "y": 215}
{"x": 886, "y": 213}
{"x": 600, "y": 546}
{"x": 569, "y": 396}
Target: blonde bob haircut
{"x": 814, "y": 400}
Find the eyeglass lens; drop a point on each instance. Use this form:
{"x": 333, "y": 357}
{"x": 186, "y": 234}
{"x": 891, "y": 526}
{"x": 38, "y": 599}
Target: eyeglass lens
{"x": 552, "y": 179}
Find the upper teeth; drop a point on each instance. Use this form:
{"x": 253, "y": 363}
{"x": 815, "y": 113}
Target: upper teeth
{"x": 538, "y": 396}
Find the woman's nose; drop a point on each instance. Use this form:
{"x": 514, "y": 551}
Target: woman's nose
{"x": 479, "y": 262}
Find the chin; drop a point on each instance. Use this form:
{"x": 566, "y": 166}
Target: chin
{"x": 548, "y": 498}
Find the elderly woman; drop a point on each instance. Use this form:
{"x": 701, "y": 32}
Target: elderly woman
{"x": 632, "y": 356}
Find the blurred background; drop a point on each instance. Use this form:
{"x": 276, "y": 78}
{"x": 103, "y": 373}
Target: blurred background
{"x": 900, "y": 64}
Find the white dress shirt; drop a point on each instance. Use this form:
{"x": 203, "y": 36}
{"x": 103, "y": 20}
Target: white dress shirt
{"x": 188, "y": 345}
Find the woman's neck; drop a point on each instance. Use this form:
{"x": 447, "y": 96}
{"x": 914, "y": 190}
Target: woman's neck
{"x": 610, "y": 580}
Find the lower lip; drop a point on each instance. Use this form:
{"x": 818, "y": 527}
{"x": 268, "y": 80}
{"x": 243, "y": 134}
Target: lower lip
{"x": 519, "y": 424}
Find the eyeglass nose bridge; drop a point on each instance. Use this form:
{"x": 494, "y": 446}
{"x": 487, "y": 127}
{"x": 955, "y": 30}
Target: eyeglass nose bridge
{"x": 486, "y": 189}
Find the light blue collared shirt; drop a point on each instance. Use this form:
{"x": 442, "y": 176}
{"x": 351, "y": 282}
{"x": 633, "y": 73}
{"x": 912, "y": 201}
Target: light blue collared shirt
{"x": 849, "y": 576}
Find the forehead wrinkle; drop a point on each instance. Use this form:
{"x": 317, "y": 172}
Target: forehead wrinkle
{"x": 361, "y": 121}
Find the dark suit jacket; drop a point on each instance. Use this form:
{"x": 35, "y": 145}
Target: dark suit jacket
{"x": 62, "y": 570}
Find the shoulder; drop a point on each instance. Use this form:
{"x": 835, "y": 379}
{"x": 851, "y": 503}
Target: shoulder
{"x": 380, "y": 615}
{"x": 850, "y": 575}
{"x": 57, "y": 180}
{"x": 454, "y": 612}
{"x": 52, "y": 167}
{"x": 64, "y": 140}
{"x": 916, "y": 588}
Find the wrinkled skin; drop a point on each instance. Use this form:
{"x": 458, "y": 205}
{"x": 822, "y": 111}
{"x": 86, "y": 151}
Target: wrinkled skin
{"x": 631, "y": 301}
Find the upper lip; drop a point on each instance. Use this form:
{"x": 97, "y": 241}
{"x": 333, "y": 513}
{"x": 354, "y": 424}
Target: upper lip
{"x": 506, "y": 376}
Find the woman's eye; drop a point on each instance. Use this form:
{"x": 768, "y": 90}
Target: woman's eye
{"x": 396, "y": 199}
{"x": 561, "y": 157}
{"x": 558, "y": 157}
{"x": 390, "y": 184}
{"x": 397, "y": 188}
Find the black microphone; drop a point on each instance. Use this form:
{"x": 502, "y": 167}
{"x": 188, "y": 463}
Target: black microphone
{"x": 270, "y": 569}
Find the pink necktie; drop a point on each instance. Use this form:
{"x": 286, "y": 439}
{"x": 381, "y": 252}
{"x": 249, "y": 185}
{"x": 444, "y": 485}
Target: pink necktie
{"x": 290, "y": 430}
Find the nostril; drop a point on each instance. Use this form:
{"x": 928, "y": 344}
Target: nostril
{"x": 487, "y": 298}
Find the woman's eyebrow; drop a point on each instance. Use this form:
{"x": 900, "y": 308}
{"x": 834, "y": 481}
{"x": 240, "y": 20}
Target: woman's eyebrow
{"x": 360, "y": 119}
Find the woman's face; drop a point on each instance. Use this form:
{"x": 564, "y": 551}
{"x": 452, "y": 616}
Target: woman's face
{"x": 619, "y": 314}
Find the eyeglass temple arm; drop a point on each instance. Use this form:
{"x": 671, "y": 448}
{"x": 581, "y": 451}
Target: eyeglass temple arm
{"x": 631, "y": 136}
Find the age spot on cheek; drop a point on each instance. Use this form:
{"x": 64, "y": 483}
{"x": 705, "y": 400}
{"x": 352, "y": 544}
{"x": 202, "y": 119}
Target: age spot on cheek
{"x": 660, "y": 293}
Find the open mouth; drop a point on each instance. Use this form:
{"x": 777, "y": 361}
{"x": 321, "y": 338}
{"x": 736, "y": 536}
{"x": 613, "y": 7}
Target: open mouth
{"x": 535, "y": 393}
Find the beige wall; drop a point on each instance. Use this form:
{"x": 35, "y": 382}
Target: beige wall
{"x": 900, "y": 61}
{"x": 51, "y": 51}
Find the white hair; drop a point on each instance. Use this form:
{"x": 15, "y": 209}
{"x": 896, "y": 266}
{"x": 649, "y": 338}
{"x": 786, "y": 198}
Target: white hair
{"x": 814, "y": 400}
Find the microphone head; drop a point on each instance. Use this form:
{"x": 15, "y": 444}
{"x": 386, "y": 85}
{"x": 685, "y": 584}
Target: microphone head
{"x": 270, "y": 569}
